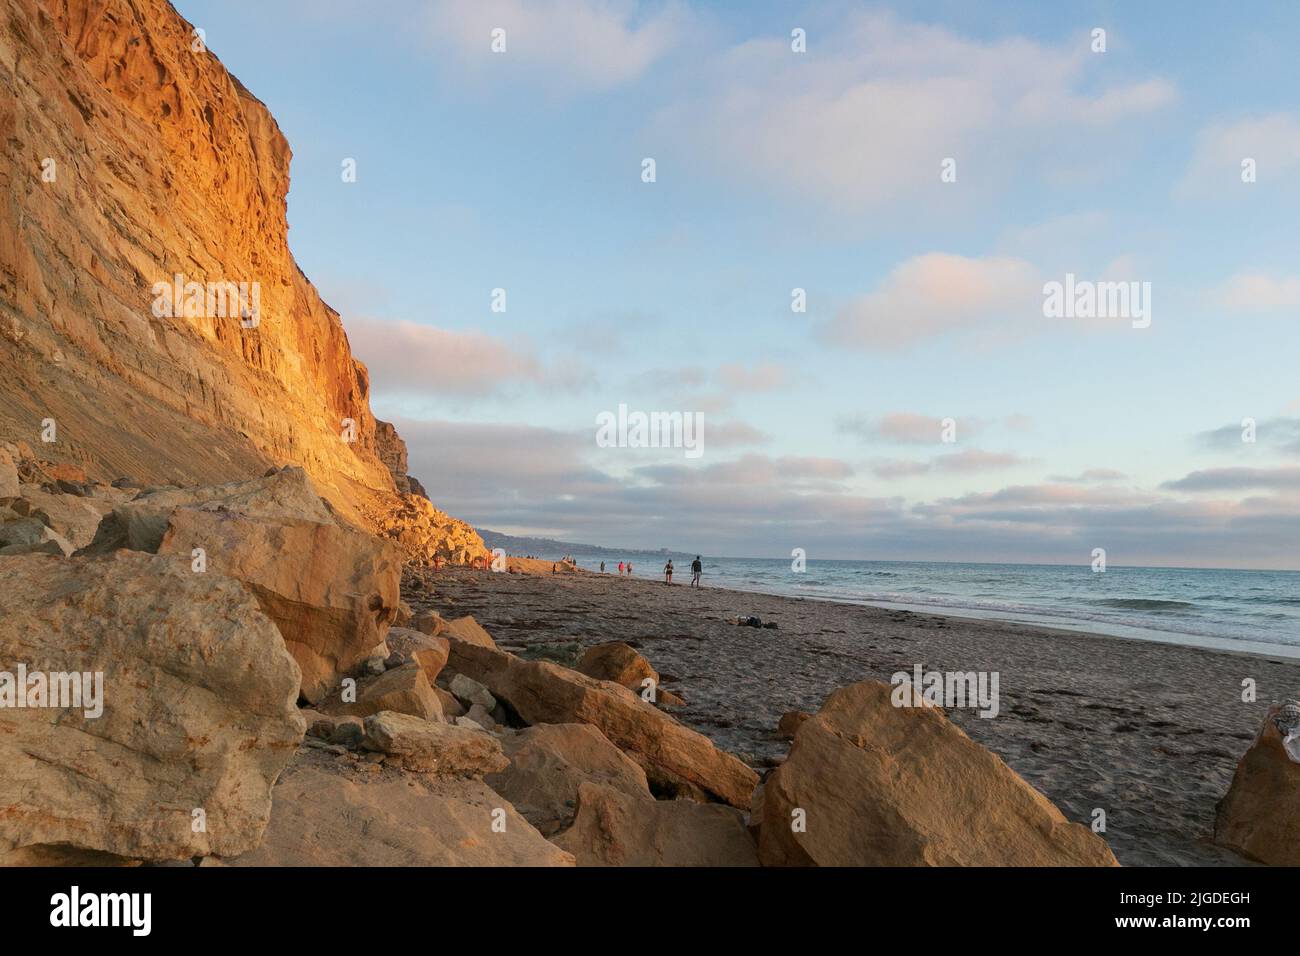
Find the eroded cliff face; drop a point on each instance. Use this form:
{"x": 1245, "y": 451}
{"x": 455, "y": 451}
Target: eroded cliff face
{"x": 133, "y": 157}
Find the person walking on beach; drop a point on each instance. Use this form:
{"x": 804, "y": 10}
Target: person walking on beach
{"x": 696, "y": 568}
{"x": 629, "y": 569}
{"x": 602, "y": 567}
{"x": 668, "y": 572}
{"x": 620, "y": 569}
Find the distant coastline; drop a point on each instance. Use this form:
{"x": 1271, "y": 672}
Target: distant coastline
{"x": 553, "y": 549}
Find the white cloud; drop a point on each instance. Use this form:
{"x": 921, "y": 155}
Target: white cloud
{"x": 1282, "y": 478}
{"x": 1272, "y": 141}
{"x": 936, "y": 294}
{"x": 763, "y": 377}
{"x": 965, "y": 462}
{"x": 1259, "y": 293}
{"x": 414, "y": 359}
{"x": 1090, "y": 476}
{"x": 574, "y": 44}
{"x": 869, "y": 112}
{"x": 730, "y": 434}
{"x": 908, "y": 428}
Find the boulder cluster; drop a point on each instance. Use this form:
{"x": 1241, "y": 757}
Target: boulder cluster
{"x": 267, "y": 698}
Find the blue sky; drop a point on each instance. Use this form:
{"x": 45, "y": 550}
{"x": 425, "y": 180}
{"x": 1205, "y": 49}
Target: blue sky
{"x": 818, "y": 170}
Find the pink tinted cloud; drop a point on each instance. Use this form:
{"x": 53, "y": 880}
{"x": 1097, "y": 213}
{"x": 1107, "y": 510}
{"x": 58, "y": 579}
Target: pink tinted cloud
{"x": 408, "y": 357}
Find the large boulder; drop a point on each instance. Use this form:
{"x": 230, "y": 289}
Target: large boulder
{"x": 468, "y": 630}
{"x": 1260, "y": 815}
{"x": 613, "y": 828}
{"x": 870, "y": 784}
{"x": 424, "y": 746}
{"x": 549, "y": 762}
{"x": 427, "y": 651}
{"x": 545, "y": 693}
{"x": 403, "y": 690}
{"x": 31, "y": 535}
{"x": 471, "y": 692}
{"x": 790, "y": 723}
{"x": 404, "y": 616}
{"x": 75, "y": 517}
{"x": 139, "y": 524}
{"x": 322, "y": 818}
{"x": 198, "y": 708}
{"x": 451, "y": 707}
{"x": 618, "y": 662}
{"x": 332, "y": 591}
{"x": 429, "y": 622}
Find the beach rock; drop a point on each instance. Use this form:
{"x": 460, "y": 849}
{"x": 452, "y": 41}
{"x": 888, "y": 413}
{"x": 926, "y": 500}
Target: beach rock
{"x": 32, "y": 536}
{"x": 199, "y": 708}
{"x": 348, "y": 732}
{"x": 403, "y": 690}
{"x": 1260, "y": 815}
{"x": 870, "y": 784}
{"x": 330, "y": 590}
{"x": 429, "y": 652}
{"x": 613, "y": 828}
{"x": 403, "y": 616}
{"x": 482, "y": 716}
{"x": 548, "y": 762}
{"x": 8, "y": 475}
{"x": 668, "y": 700}
{"x": 429, "y": 622}
{"x": 666, "y": 785}
{"x": 433, "y": 747}
{"x": 790, "y": 723}
{"x": 74, "y": 517}
{"x": 343, "y": 730}
{"x": 451, "y": 707}
{"x": 544, "y": 693}
{"x": 467, "y": 630}
{"x": 286, "y": 494}
{"x": 318, "y": 725}
{"x": 322, "y": 818}
{"x": 618, "y": 662}
{"x": 471, "y": 692}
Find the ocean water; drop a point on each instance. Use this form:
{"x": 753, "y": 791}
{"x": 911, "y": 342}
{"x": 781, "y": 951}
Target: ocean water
{"x": 1254, "y": 611}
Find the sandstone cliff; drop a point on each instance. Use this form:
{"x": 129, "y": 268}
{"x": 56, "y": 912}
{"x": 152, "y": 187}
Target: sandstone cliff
{"x": 132, "y": 157}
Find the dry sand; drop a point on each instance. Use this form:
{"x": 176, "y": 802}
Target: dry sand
{"x": 1151, "y": 733}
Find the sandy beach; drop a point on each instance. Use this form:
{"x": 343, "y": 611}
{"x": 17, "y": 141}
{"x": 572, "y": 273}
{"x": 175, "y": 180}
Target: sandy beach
{"x": 1150, "y": 733}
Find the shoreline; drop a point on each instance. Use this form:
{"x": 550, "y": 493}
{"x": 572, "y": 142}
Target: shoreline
{"x": 1148, "y": 732}
{"x": 1050, "y": 622}
{"x": 1084, "y": 629}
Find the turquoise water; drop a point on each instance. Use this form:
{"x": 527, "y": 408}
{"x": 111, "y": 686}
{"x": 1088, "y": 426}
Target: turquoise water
{"x": 1256, "y": 611}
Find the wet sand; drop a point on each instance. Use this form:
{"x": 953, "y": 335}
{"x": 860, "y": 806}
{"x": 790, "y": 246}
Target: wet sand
{"x": 1150, "y": 733}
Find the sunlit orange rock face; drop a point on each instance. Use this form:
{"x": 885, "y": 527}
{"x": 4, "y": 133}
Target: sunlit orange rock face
{"x": 132, "y": 156}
